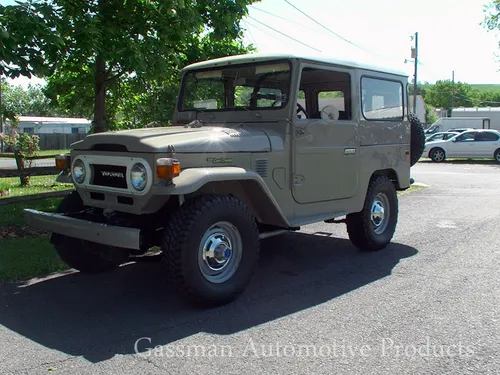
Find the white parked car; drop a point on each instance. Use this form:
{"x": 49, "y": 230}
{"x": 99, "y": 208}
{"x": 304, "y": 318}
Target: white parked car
{"x": 477, "y": 143}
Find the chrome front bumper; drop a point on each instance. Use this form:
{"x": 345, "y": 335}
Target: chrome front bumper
{"x": 111, "y": 235}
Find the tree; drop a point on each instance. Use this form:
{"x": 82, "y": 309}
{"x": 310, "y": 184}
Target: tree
{"x": 440, "y": 95}
{"x": 27, "y": 102}
{"x": 118, "y": 40}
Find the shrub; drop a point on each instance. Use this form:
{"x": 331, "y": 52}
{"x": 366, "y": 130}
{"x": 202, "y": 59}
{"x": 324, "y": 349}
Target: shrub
{"x": 25, "y": 146}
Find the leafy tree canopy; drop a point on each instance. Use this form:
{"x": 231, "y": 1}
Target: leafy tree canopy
{"x": 96, "y": 51}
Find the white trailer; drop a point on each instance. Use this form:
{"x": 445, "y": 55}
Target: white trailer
{"x": 444, "y": 124}
{"x": 492, "y": 113}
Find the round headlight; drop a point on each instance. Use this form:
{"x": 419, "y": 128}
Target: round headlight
{"x": 139, "y": 176}
{"x": 78, "y": 171}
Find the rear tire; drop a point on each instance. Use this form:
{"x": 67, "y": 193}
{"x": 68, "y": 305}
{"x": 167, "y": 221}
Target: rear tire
{"x": 84, "y": 256}
{"x": 497, "y": 156}
{"x": 373, "y": 227}
{"x": 210, "y": 250}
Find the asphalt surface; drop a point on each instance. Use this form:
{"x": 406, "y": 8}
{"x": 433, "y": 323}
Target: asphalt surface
{"x": 428, "y": 304}
{"x": 11, "y": 163}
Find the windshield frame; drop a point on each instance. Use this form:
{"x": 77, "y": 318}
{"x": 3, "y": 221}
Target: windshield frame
{"x": 239, "y": 109}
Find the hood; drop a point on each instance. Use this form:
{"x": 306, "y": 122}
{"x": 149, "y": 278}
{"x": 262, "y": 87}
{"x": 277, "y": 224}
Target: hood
{"x": 184, "y": 139}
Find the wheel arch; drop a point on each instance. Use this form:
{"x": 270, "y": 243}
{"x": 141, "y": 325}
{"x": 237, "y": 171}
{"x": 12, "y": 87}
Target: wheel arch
{"x": 245, "y": 185}
{"x": 389, "y": 173}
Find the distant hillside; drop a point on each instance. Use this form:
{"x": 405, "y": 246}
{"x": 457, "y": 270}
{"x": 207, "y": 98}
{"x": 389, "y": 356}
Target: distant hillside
{"x": 486, "y": 87}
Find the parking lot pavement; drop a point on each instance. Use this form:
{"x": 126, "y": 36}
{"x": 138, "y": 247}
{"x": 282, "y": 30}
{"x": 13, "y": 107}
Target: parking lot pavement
{"x": 428, "y": 304}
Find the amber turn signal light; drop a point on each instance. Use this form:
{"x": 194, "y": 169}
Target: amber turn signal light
{"x": 63, "y": 162}
{"x": 167, "y": 168}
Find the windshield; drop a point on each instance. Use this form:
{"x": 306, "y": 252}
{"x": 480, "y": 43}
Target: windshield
{"x": 249, "y": 86}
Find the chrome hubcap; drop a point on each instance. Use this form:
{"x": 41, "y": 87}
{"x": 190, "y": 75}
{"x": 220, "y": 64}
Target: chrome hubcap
{"x": 220, "y": 252}
{"x": 379, "y": 213}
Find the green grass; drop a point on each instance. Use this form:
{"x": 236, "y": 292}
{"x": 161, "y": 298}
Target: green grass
{"x": 22, "y": 258}
{"x": 411, "y": 189}
{"x": 461, "y": 161}
{"x": 12, "y": 214}
{"x": 486, "y": 87}
{"x": 38, "y": 184}
{"x": 25, "y": 258}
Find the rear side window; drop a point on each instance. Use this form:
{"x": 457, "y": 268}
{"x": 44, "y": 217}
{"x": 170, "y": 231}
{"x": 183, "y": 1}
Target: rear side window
{"x": 487, "y": 137}
{"x": 382, "y": 100}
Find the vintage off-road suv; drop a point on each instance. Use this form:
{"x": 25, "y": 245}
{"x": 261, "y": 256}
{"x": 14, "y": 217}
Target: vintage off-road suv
{"x": 261, "y": 145}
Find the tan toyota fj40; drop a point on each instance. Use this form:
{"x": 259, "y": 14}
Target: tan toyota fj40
{"x": 261, "y": 145}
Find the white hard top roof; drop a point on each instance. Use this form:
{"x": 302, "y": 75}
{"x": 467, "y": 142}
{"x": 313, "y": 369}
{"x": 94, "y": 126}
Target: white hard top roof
{"x": 255, "y": 57}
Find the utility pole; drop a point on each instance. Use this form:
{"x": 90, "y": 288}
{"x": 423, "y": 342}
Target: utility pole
{"x": 453, "y": 88}
{"x": 415, "y": 56}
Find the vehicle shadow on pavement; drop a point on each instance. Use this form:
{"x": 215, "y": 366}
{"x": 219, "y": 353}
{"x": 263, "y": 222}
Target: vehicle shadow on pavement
{"x": 97, "y": 317}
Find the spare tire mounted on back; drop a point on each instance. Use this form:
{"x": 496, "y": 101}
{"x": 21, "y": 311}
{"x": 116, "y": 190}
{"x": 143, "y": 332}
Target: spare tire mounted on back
{"x": 417, "y": 144}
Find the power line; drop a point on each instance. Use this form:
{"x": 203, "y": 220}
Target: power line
{"x": 288, "y": 36}
{"x": 330, "y": 31}
{"x": 260, "y": 29}
{"x": 283, "y": 18}
{"x": 251, "y": 35}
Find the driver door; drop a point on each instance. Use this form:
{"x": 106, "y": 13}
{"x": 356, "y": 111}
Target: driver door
{"x": 463, "y": 146}
{"x": 326, "y": 147}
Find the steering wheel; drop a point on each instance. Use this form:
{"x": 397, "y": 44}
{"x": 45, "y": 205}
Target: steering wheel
{"x": 301, "y": 109}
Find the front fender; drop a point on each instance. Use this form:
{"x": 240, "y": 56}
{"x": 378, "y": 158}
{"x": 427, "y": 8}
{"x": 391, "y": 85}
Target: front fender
{"x": 256, "y": 193}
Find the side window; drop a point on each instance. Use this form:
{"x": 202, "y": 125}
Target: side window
{"x": 382, "y": 99}
{"x": 467, "y": 137}
{"x": 487, "y": 137}
{"x": 326, "y": 94}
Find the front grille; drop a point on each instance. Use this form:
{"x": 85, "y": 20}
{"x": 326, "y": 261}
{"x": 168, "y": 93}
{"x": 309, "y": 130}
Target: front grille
{"x": 109, "y": 175}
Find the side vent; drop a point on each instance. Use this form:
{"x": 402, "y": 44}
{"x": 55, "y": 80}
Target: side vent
{"x": 260, "y": 166}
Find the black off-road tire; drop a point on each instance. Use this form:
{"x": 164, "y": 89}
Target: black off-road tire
{"x": 181, "y": 249}
{"x": 84, "y": 256}
{"x": 417, "y": 144}
{"x": 359, "y": 225}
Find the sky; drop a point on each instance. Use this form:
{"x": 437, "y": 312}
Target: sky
{"x": 450, "y": 35}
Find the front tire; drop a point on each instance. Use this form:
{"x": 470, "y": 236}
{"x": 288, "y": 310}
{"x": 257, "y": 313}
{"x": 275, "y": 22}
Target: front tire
{"x": 86, "y": 257}
{"x": 437, "y": 155}
{"x": 210, "y": 250}
{"x": 373, "y": 227}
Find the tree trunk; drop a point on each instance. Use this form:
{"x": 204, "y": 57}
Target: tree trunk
{"x": 100, "y": 95}
{"x": 1, "y": 116}
{"x": 24, "y": 178}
